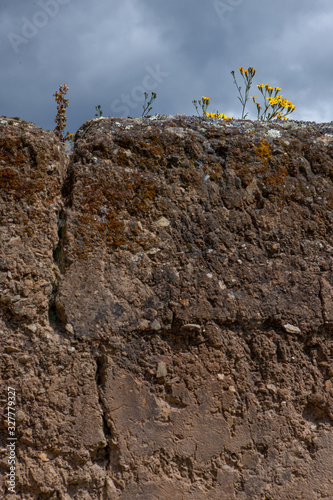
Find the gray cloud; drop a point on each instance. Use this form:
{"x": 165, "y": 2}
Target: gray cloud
{"x": 110, "y": 51}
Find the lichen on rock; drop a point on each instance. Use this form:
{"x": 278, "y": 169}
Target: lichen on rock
{"x": 166, "y": 300}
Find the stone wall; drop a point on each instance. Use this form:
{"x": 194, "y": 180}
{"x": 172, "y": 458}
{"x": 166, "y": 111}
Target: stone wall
{"x": 166, "y": 309}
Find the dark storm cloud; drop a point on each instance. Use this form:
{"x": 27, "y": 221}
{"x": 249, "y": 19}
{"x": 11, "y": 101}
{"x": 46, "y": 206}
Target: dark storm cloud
{"x": 110, "y": 51}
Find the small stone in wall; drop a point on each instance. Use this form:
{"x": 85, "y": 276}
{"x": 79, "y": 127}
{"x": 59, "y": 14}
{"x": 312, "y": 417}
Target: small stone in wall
{"x": 191, "y": 327}
{"x": 161, "y": 371}
{"x": 291, "y": 328}
{"x": 162, "y": 222}
{"x": 69, "y": 328}
{"x": 155, "y": 325}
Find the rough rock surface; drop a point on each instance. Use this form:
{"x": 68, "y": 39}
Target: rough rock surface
{"x": 166, "y": 309}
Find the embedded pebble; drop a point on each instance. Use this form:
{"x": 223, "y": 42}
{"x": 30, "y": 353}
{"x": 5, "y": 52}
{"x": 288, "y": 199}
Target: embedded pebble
{"x": 161, "y": 370}
{"x": 291, "y": 328}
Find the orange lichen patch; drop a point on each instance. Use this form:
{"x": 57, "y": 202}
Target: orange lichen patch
{"x": 243, "y": 164}
{"x": 147, "y": 145}
{"x": 92, "y": 230}
{"x": 104, "y": 202}
{"x": 152, "y": 147}
{"x": 156, "y": 150}
{"x": 13, "y": 180}
{"x": 263, "y": 151}
{"x": 246, "y": 173}
{"x": 271, "y": 175}
{"x": 272, "y": 179}
{"x": 10, "y": 152}
{"x": 17, "y": 185}
{"x": 214, "y": 170}
{"x": 276, "y": 178}
{"x": 123, "y": 159}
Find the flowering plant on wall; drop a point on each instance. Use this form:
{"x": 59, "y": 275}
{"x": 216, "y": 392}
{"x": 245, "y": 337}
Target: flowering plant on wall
{"x": 275, "y": 105}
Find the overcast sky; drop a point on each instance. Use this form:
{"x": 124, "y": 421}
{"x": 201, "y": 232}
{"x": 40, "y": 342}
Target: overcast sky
{"x": 110, "y": 51}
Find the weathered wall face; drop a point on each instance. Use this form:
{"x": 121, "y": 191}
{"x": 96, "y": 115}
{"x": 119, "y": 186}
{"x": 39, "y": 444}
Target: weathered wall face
{"x": 166, "y": 299}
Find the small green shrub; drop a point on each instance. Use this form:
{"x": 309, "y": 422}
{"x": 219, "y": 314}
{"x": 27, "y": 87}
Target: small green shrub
{"x": 99, "y": 111}
{"x": 147, "y": 105}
